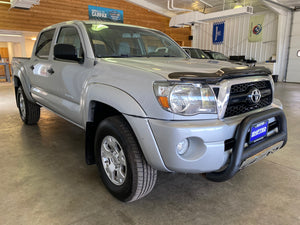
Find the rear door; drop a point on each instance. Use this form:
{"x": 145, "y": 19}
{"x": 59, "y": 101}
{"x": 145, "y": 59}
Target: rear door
{"x": 37, "y": 68}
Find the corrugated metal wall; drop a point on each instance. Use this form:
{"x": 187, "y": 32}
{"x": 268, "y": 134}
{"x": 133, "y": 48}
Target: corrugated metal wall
{"x": 236, "y": 37}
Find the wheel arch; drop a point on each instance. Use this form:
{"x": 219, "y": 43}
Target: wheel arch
{"x": 102, "y": 101}
{"x": 109, "y": 97}
{"x": 21, "y": 80}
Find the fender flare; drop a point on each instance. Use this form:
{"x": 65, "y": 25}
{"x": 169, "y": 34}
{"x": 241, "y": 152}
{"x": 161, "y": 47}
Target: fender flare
{"x": 112, "y": 96}
{"x": 24, "y": 82}
{"x": 127, "y": 106}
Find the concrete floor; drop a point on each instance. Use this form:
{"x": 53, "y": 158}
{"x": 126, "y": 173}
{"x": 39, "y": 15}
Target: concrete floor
{"x": 44, "y": 180}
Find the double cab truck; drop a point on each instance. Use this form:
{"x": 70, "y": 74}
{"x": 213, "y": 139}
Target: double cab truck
{"x": 145, "y": 105}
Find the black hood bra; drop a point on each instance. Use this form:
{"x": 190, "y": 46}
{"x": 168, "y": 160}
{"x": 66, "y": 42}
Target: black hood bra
{"x": 224, "y": 73}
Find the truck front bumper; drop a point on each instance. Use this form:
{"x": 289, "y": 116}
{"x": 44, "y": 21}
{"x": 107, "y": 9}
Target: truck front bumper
{"x": 206, "y": 152}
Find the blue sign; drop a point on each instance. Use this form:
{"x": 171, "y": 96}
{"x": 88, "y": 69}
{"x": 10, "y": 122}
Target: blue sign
{"x": 105, "y": 14}
{"x": 259, "y": 131}
{"x": 218, "y": 33}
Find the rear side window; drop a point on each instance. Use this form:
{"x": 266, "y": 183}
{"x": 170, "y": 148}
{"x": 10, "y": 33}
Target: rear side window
{"x": 44, "y": 44}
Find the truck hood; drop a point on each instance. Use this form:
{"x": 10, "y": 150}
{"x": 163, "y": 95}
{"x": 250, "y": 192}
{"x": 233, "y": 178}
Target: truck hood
{"x": 166, "y": 66}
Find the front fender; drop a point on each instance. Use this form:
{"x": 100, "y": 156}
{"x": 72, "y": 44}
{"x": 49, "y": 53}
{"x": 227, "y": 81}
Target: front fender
{"x": 134, "y": 114}
{"x": 112, "y": 96}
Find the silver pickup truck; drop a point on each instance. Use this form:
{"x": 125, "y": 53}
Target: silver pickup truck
{"x": 146, "y": 105}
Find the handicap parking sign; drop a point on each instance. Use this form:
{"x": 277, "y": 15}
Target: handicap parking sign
{"x": 218, "y": 33}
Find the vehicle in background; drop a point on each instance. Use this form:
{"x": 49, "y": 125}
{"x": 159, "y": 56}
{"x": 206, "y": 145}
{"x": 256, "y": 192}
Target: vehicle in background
{"x": 208, "y": 54}
{"x": 234, "y": 59}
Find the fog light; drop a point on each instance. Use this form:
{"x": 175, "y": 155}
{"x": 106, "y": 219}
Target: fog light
{"x": 182, "y": 146}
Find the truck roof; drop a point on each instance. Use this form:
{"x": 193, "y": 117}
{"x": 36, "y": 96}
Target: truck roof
{"x": 91, "y": 22}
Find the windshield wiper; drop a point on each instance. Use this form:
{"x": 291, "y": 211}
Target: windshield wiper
{"x": 119, "y": 56}
{"x": 112, "y": 56}
{"x": 169, "y": 56}
{"x": 149, "y": 56}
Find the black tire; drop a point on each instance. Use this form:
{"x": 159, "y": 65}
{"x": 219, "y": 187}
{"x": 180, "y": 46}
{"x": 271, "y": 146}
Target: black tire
{"x": 140, "y": 177}
{"x": 29, "y": 111}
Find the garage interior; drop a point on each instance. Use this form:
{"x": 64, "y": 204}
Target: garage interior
{"x": 44, "y": 177}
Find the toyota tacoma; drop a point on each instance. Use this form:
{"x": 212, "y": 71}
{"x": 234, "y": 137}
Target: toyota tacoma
{"x": 145, "y": 105}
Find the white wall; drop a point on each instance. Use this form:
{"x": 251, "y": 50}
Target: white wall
{"x": 293, "y": 74}
{"x": 18, "y": 46}
{"x": 236, "y": 37}
{"x": 29, "y": 46}
{"x": 17, "y": 50}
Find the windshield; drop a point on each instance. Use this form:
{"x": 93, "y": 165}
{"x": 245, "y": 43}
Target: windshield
{"x": 196, "y": 53}
{"x": 122, "y": 41}
{"x": 218, "y": 56}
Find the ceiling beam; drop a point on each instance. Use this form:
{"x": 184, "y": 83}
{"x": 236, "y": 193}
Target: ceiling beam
{"x": 198, "y": 17}
{"x": 273, "y": 3}
{"x": 150, "y": 6}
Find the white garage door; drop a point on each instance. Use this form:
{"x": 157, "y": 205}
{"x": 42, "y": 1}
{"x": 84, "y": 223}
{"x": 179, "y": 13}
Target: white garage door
{"x": 293, "y": 73}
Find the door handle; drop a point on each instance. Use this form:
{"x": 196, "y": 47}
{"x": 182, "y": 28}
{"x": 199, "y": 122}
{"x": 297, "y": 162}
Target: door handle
{"x": 32, "y": 67}
{"x": 51, "y": 71}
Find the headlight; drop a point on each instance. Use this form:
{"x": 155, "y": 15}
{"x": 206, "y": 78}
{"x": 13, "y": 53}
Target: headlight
{"x": 184, "y": 98}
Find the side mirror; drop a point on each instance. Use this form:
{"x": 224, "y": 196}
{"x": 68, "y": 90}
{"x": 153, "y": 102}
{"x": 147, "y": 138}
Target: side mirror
{"x": 66, "y": 51}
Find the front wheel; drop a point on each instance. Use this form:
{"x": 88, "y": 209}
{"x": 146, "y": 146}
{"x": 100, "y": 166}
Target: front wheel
{"x": 29, "y": 111}
{"x": 121, "y": 164}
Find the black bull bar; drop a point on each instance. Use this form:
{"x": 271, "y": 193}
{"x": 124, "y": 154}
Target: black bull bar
{"x": 240, "y": 153}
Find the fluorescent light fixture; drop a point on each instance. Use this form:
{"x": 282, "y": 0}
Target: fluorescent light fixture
{"x": 10, "y": 35}
{"x": 3, "y": 2}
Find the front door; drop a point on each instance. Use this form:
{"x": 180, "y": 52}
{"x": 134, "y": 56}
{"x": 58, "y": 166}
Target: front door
{"x": 69, "y": 75}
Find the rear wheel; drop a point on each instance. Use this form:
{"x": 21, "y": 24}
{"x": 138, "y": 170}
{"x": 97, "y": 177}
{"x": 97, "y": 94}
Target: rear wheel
{"x": 121, "y": 164}
{"x": 29, "y": 111}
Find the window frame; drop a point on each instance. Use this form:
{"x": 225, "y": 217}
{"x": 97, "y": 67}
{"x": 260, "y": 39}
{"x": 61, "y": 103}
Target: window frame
{"x": 37, "y": 44}
{"x": 81, "y": 43}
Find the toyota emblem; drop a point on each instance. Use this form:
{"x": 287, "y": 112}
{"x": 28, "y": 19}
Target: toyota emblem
{"x": 255, "y": 96}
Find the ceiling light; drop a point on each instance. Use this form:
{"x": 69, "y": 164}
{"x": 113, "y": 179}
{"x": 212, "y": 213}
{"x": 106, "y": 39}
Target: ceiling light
{"x": 10, "y": 35}
{"x": 3, "y": 2}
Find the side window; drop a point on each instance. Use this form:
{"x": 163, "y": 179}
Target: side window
{"x": 69, "y": 35}
{"x": 44, "y": 44}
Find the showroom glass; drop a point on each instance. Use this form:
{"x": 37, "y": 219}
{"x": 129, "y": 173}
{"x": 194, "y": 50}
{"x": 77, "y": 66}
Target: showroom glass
{"x": 123, "y": 41}
{"x": 44, "y": 44}
{"x": 70, "y": 36}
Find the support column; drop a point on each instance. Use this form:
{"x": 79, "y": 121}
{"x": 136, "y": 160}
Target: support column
{"x": 23, "y": 47}
{"x": 10, "y": 51}
{"x": 285, "y": 16}
{"x": 283, "y": 44}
